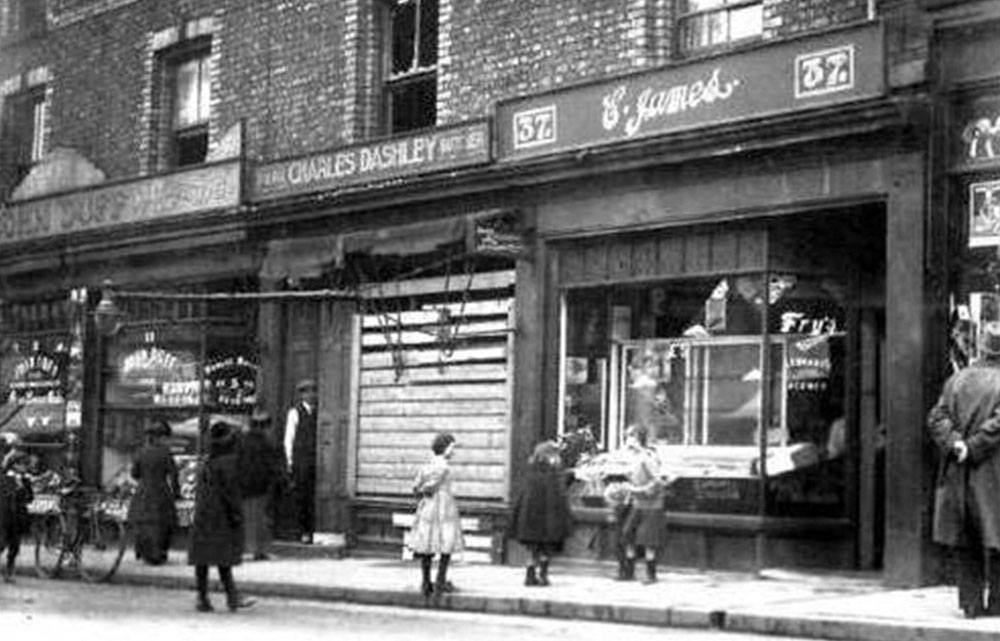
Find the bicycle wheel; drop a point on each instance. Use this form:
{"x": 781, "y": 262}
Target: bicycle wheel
{"x": 102, "y": 546}
{"x": 50, "y": 548}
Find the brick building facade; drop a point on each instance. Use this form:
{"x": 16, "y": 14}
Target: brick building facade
{"x": 301, "y": 186}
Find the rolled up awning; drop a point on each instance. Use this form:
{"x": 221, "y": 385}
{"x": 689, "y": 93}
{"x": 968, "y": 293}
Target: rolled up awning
{"x": 309, "y": 257}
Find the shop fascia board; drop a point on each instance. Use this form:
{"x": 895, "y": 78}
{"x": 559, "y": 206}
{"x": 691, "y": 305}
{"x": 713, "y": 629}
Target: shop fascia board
{"x": 729, "y": 139}
{"x": 732, "y": 139}
{"x": 97, "y": 247}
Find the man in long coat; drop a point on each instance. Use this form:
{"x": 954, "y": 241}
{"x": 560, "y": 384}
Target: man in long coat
{"x": 965, "y": 427}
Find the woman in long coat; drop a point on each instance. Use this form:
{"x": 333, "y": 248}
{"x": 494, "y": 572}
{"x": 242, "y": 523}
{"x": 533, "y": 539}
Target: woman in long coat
{"x": 260, "y": 467}
{"x": 152, "y": 511}
{"x": 217, "y": 530}
{"x": 437, "y": 527}
{"x": 541, "y": 518}
{"x": 965, "y": 427}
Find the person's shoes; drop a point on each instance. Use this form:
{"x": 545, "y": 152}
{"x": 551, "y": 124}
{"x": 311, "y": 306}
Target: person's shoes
{"x": 239, "y": 603}
{"x": 626, "y": 570}
{"x": 203, "y": 605}
{"x": 446, "y": 587}
{"x": 543, "y": 574}
{"x": 529, "y": 576}
{"x": 261, "y": 556}
{"x": 650, "y": 573}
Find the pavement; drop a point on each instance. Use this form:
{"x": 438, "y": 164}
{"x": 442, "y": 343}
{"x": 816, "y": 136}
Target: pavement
{"x": 854, "y": 607}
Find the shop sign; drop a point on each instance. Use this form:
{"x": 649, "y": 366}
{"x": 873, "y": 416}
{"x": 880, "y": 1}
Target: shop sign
{"x": 231, "y": 383}
{"x": 801, "y": 74}
{"x": 143, "y": 201}
{"x": 433, "y": 150}
{"x": 977, "y": 133}
{"x": 155, "y": 376}
{"x": 984, "y": 214}
{"x": 35, "y": 394}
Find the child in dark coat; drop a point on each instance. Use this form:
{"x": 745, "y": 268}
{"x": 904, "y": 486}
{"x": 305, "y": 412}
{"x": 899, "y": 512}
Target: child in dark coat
{"x": 541, "y": 517}
{"x": 15, "y": 495}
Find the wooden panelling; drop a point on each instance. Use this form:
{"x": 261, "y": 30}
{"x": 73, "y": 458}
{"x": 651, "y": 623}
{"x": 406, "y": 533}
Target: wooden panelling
{"x": 412, "y": 386}
{"x": 663, "y": 254}
{"x": 440, "y": 408}
{"x": 439, "y": 285}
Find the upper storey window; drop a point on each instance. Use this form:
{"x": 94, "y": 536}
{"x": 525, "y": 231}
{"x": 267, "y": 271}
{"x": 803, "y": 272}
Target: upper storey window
{"x": 411, "y": 67}
{"x": 21, "y": 17}
{"x": 189, "y": 81}
{"x": 708, "y": 24}
{"x": 22, "y": 135}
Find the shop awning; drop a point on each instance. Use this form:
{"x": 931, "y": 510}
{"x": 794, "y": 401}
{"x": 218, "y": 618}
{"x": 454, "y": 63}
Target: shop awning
{"x": 308, "y": 257}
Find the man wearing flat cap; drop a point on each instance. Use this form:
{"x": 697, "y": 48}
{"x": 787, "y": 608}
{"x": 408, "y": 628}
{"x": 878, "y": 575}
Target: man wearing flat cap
{"x": 300, "y": 452}
{"x": 965, "y": 427}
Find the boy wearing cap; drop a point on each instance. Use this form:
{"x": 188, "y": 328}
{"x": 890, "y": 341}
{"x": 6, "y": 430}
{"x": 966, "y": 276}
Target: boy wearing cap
{"x": 300, "y": 452}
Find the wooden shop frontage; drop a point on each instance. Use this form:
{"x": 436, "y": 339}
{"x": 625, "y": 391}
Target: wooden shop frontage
{"x": 732, "y": 254}
{"x": 424, "y": 339}
{"x": 105, "y": 324}
{"x": 735, "y": 252}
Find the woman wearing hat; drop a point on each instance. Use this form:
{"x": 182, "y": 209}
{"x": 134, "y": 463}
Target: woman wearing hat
{"x": 152, "y": 512}
{"x": 217, "y": 530}
{"x": 260, "y": 468}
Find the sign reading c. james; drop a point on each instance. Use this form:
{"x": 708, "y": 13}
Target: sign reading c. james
{"x": 140, "y": 201}
{"x": 444, "y": 148}
{"x": 830, "y": 68}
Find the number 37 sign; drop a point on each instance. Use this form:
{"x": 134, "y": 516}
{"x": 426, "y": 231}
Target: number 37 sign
{"x": 823, "y": 72}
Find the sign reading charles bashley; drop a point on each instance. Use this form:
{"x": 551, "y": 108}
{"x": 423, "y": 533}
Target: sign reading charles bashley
{"x": 138, "y": 201}
{"x": 431, "y": 150}
{"x": 804, "y": 73}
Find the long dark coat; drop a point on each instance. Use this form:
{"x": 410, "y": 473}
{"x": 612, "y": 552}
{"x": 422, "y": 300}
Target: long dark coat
{"x": 152, "y": 511}
{"x": 969, "y": 410}
{"x": 260, "y": 464}
{"x": 14, "y": 499}
{"x": 217, "y": 530}
{"x": 541, "y": 511}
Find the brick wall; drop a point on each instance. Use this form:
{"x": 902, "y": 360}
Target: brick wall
{"x": 303, "y": 74}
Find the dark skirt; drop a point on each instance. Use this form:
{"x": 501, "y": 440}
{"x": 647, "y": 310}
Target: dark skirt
{"x": 258, "y": 524}
{"x": 645, "y": 527}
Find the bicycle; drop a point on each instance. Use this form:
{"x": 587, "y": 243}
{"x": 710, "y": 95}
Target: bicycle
{"x": 83, "y": 533}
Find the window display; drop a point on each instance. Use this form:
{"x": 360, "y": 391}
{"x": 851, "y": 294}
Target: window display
{"x": 687, "y": 359}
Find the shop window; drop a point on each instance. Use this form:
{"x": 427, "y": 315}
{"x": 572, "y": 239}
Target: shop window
{"x": 22, "y": 18}
{"x": 411, "y": 52}
{"x": 187, "y": 99}
{"x": 22, "y": 139}
{"x": 708, "y": 24}
{"x": 718, "y": 369}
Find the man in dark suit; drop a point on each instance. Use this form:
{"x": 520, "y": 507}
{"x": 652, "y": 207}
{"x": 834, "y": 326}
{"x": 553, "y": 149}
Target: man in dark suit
{"x": 300, "y": 451}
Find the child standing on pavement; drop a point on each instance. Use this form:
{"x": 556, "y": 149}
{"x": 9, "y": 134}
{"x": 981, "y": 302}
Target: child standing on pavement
{"x": 541, "y": 518}
{"x": 645, "y": 526}
{"x": 15, "y": 495}
{"x": 437, "y": 527}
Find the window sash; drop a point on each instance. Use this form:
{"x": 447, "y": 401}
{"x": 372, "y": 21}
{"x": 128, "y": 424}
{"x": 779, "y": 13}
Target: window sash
{"x": 39, "y": 113}
{"x": 413, "y": 38}
{"x": 718, "y": 22}
{"x": 192, "y": 93}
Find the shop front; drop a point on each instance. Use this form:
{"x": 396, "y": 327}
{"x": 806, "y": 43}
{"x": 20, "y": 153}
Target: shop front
{"x": 734, "y": 259}
{"x": 400, "y": 297}
{"x": 119, "y": 313}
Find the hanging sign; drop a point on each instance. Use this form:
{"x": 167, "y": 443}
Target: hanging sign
{"x": 35, "y": 394}
{"x": 231, "y": 383}
{"x": 984, "y": 214}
